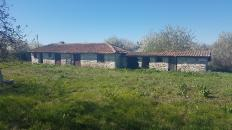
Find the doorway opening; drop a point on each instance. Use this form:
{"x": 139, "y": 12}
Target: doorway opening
{"x": 57, "y": 59}
{"x": 132, "y": 62}
{"x": 40, "y": 57}
{"x": 172, "y": 64}
{"x": 145, "y": 62}
{"x": 77, "y": 59}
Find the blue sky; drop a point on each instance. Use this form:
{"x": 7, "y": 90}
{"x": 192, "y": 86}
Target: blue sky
{"x": 96, "y": 20}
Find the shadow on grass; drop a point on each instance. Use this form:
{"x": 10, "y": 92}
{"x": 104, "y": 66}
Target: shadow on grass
{"x": 32, "y": 90}
{"x": 18, "y": 112}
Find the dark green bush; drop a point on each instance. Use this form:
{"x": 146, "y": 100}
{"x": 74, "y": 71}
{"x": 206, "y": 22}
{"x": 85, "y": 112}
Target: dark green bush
{"x": 205, "y": 91}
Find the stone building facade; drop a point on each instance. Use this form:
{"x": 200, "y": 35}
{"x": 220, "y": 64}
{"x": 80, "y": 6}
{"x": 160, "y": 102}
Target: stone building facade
{"x": 192, "y": 64}
{"x": 85, "y": 55}
{"x": 159, "y": 64}
{"x": 194, "y": 61}
{"x": 108, "y": 56}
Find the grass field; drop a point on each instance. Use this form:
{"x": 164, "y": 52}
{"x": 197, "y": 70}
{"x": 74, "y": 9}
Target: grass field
{"x": 65, "y": 97}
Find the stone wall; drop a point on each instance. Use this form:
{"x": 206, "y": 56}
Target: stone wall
{"x": 163, "y": 66}
{"x": 33, "y": 59}
{"x": 67, "y": 59}
{"x": 193, "y": 64}
{"x": 90, "y": 60}
{"x": 87, "y": 60}
{"x": 48, "y": 58}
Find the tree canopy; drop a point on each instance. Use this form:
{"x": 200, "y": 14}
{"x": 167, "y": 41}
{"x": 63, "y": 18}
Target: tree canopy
{"x": 11, "y": 36}
{"x": 123, "y": 43}
{"x": 170, "y": 38}
{"x": 221, "y": 52}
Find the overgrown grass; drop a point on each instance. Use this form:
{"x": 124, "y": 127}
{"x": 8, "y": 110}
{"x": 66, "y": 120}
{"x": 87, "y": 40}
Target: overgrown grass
{"x": 66, "y": 97}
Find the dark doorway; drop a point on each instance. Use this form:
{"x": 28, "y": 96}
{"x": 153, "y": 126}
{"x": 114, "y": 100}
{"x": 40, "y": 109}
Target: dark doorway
{"x": 171, "y": 63}
{"x": 121, "y": 61}
{"x": 57, "y": 59}
{"x": 100, "y": 58}
{"x": 77, "y": 59}
{"x": 40, "y": 57}
{"x": 132, "y": 62}
{"x": 145, "y": 62}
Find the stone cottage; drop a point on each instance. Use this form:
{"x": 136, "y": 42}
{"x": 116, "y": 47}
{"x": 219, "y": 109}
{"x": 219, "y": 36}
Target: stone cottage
{"x": 91, "y": 55}
{"x": 109, "y": 56}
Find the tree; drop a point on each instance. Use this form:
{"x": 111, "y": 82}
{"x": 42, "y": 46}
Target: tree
{"x": 11, "y": 37}
{"x": 34, "y": 43}
{"x": 123, "y": 43}
{"x": 171, "y": 38}
{"x": 221, "y": 53}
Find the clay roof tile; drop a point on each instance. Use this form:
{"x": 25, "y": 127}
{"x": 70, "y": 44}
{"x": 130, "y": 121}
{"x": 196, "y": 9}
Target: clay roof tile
{"x": 80, "y": 48}
{"x": 190, "y": 53}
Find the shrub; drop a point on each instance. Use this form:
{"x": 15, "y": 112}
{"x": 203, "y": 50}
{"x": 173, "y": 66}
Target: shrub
{"x": 3, "y": 126}
{"x": 205, "y": 91}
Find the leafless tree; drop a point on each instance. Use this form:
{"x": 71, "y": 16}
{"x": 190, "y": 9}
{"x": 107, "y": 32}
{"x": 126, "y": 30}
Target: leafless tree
{"x": 222, "y": 52}
{"x": 11, "y": 37}
{"x": 123, "y": 43}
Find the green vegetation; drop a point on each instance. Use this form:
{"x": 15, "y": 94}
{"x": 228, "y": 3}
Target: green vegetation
{"x": 66, "y": 97}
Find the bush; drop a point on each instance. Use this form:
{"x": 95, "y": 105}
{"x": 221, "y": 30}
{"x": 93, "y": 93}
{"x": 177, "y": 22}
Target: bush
{"x": 205, "y": 91}
{"x": 3, "y": 126}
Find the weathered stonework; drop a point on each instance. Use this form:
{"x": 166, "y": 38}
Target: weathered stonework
{"x": 67, "y": 59}
{"x": 48, "y": 58}
{"x": 191, "y": 64}
{"x": 90, "y": 60}
{"x": 163, "y": 66}
{"x": 191, "y": 67}
{"x": 109, "y": 56}
{"x": 194, "y": 64}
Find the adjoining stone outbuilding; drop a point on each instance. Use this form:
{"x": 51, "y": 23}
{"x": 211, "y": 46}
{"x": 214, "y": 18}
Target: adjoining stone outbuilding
{"x": 172, "y": 60}
{"x": 109, "y": 56}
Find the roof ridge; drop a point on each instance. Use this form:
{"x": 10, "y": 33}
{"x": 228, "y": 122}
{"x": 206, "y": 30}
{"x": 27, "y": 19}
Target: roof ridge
{"x": 111, "y": 47}
{"x": 194, "y": 53}
{"x": 68, "y": 43}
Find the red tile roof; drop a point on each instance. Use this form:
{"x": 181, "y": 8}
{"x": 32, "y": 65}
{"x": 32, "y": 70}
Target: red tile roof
{"x": 80, "y": 48}
{"x": 104, "y": 48}
{"x": 200, "y": 53}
